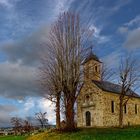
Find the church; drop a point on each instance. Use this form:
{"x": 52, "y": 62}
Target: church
{"x": 98, "y": 101}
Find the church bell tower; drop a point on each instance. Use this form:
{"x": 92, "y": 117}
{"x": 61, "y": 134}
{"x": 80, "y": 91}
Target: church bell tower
{"x": 92, "y": 67}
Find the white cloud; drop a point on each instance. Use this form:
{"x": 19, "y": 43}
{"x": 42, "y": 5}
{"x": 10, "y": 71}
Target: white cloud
{"x": 133, "y": 39}
{"x": 39, "y": 104}
{"x": 6, "y": 3}
{"x": 9, "y": 4}
{"x": 120, "y": 4}
{"x": 131, "y": 30}
{"x": 97, "y": 34}
{"x": 129, "y": 26}
{"x": 47, "y": 106}
{"x": 29, "y": 104}
{"x": 61, "y": 6}
{"x": 135, "y": 21}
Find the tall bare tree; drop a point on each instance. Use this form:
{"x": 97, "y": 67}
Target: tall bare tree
{"x": 62, "y": 73}
{"x": 129, "y": 79}
{"x": 51, "y": 84}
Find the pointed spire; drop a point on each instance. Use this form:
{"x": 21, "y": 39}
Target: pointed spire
{"x": 91, "y": 50}
{"x": 91, "y": 47}
{"x": 91, "y": 55}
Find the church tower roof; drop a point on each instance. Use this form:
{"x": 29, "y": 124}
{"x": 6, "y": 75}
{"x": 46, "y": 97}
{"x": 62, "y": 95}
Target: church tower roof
{"x": 91, "y": 56}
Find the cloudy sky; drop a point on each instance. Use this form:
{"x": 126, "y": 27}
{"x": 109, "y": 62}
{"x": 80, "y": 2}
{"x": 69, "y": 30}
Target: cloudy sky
{"x": 24, "y": 25}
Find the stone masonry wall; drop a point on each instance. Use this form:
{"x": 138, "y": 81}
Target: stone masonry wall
{"x": 112, "y": 119}
{"x": 99, "y": 106}
{"x": 94, "y": 105}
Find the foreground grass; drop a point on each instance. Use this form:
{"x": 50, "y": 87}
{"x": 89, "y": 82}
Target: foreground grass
{"x": 13, "y": 138}
{"x": 92, "y": 134}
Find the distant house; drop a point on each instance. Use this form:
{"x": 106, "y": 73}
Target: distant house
{"x": 98, "y": 101}
{"x": 63, "y": 124}
{"x": 6, "y": 132}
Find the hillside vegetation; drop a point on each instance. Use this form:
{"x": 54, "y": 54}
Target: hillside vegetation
{"x": 92, "y": 134}
{"x": 13, "y": 137}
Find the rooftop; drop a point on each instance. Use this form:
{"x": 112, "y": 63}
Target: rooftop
{"x": 113, "y": 88}
{"x": 91, "y": 56}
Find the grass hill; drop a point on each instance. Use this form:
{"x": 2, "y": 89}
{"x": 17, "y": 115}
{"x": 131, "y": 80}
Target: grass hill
{"x": 131, "y": 133}
{"x": 13, "y": 137}
{"x": 92, "y": 134}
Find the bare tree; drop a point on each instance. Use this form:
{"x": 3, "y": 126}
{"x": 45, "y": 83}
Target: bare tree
{"x": 27, "y": 126}
{"x": 41, "y": 117}
{"x": 50, "y": 83}
{"x": 62, "y": 72}
{"x": 129, "y": 78}
{"x": 17, "y": 123}
{"x": 107, "y": 73}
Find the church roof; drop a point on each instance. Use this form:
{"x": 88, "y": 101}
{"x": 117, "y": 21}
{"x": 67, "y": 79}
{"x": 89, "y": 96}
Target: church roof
{"x": 113, "y": 88}
{"x": 91, "y": 56}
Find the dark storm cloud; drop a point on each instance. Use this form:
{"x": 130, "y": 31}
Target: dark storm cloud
{"x": 28, "y": 50}
{"x": 5, "y": 115}
{"x": 19, "y": 73}
{"x": 18, "y": 77}
{"x": 7, "y": 108}
{"x": 18, "y": 81}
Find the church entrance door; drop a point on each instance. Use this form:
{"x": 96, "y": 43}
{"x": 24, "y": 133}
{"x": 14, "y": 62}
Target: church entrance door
{"x": 88, "y": 118}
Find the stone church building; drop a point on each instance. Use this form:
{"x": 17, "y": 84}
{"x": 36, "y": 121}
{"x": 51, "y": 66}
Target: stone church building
{"x": 98, "y": 101}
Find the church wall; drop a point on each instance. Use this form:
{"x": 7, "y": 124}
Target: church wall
{"x": 94, "y": 106}
{"x": 99, "y": 102}
{"x": 112, "y": 119}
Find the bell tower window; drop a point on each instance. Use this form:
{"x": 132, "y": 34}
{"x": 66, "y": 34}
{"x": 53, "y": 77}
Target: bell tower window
{"x": 96, "y": 69}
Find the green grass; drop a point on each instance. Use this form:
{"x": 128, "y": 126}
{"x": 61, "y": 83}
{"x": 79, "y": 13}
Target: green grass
{"x": 13, "y": 137}
{"x": 92, "y": 134}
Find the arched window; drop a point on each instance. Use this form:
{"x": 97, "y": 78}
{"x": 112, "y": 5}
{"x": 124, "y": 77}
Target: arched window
{"x": 125, "y": 109}
{"x": 88, "y": 118}
{"x": 112, "y": 106}
{"x": 96, "y": 69}
{"x": 136, "y": 109}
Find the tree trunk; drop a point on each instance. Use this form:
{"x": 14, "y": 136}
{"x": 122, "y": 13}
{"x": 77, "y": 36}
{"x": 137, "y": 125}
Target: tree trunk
{"x": 121, "y": 113}
{"x": 58, "y": 111}
{"x": 70, "y": 125}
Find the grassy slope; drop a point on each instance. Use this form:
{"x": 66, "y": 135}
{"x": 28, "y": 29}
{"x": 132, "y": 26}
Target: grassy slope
{"x": 92, "y": 134}
{"x": 12, "y": 138}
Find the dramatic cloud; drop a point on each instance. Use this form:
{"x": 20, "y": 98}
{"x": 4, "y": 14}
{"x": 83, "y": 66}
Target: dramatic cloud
{"x": 131, "y": 32}
{"x": 34, "y": 105}
{"x": 47, "y": 106}
{"x": 17, "y": 81}
{"x": 24, "y": 29}
{"x": 7, "y": 108}
{"x": 5, "y": 114}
